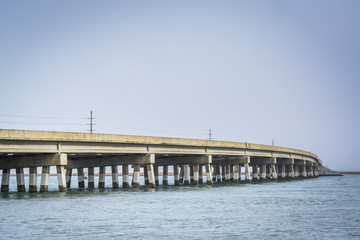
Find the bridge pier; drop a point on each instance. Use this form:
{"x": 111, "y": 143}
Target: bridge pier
{"x": 181, "y": 178}
{"x": 156, "y": 172}
{"x": 115, "y": 176}
{"x": 91, "y": 178}
{"x": 291, "y": 173}
{"x": 61, "y": 178}
{"x": 33, "y": 179}
{"x": 201, "y": 174}
{"x": 217, "y": 173}
{"x": 68, "y": 177}
{"x": 247, "y": 173}
{"x": 45, "y": 179}
{"x": 223, "y": 173}
{"x": 263, "y": 172}
{"x": 176, "y": 175}
{"x": 283, "y": 171}
{"x": 191, "y": 174}
{"x": 296, "y": 169}
{"x": 186, "y": 174}
{"x": 274, "y": 173}
{"x": 150, "y": 171}
{"x": 102, "y": 172}
{"x": 196, "y": 174}
{"x": 255, "y": 172}
{"x": 125, "y": 175}
{"x": 80, "y": 173}
{"x": 236, "y": 173}
{"x": 5, "y": 180}
{"x": 136, "y": 176}
{"x": 146, "y": 177}
{"x": 227, "y": 173}
{"x": 231, "y": 173}
{"x": 268, "y": 171}
{"x": 20, "y": 180}
{"x": 304, "y": 173}
{"x": 208, "y": 174}
{"x": 165, "y": 175}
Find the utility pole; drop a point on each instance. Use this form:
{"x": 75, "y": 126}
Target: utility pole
{"x": 210, "y": 134}
{"x": 91, "y": 121}
{"x": 273, "y": 142}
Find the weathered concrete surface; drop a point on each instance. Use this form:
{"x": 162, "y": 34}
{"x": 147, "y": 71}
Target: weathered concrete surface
{"x": 23, "y": 141}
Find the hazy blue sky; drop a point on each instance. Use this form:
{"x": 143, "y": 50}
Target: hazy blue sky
{"x": 252, "y": 71}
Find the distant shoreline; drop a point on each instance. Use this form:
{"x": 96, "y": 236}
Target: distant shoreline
{"x": 349, "y": 172}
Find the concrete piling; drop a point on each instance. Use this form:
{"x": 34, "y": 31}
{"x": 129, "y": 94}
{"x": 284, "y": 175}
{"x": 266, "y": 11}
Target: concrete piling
{"x": 165, "y": 175}
{"x": 61, "y": 178}
{"x": 125, "y": 175}
{"x": 304, "y": 174}
{"x": 231, "y": 173}
{"x": 186, "y": 174}
{"x": 156, "y": 172}
{"x": 91, "y": 178}
{"x": 268, "y": 171}
{"x": 223, "y": 173}
{"x": 195, "y": 174}
{"x": 5, "y": 180}
{"x": 136, "y": 176}
{"x": 201, "y": 174}
{"x": 283, "y": 171}
{"x": 236, "y": 173}
{"x": 146, "y": 177}
{"x": 44, "y": 179}
{"x": 208, "y": 174}
{"x": 80, "y": 172}
{"x": 176, "y": 175}
{"x": 218, "y": 173}
{"x": 150, "y": 171}
{"x": 181, "y": 178}
{"x": 68, "y": 177}
{"x": 255, "y": 172}
{"x": 291, "y": 171}
{"x": 20, "y": 179}
{"x": 296, "y": 170}
{"x": 247, "y": 173}
{"x": 227, "y": 173}
{"x": 263, "y": 172}
{"x": 115, "y": 176}
{"x": 192, "y": 174}
{"x": 33, "y": 179}
{"x": 274, "y": 173}
{"x": 102, "y": 172}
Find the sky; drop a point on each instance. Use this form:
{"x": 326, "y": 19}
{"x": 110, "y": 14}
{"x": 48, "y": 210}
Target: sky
{"x": 252, "y": 71}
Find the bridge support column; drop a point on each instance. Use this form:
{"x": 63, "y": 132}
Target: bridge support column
{"x": 136, "y": 176}
{"x": 247, "y": 173}
{"x": 176, "y": 175}
{"x": 316, "y": 172}
{"x": 68, "y": 177}
{"x": 81, "y": 177}
{"x": 231, "y": 173}
{"x": 255, "y": 172}
{"x": 91, "y": 178}
{"x": 181, "y": 178}
{"x": 236, "y": 173}
{"x": 263, "y": 172}
{"x": 227, "y": 173}
{"x": 192, "y": 174}
{"x": 20, "y": 179}
{"x": 218, "y": 173}
{"x": 156, "y": 172}
{"x": 165, "y": 175}
{"x": 201, "y": 174}
{"x": 196, "y": 174}
{"x": 102, "y": 172}
{"x": 186, "y": 174}
{"x": 283, "y": 169}
{"x": 308, "y": 171}
{"x": 150, "y": 171}
{"x": 268, "y": 171}
{"x": 5, "y": 180}
{"x": 296, "y": 170}
{"x": 312, "y": 171}
{"x": 291, "y": 171}
{"x": 33, "y": 179}
{"x": 115, "y": 176}
{"x": 274, "y": 173}
{"x": 125, "y": 175}
{"x": 304, "y": 174}
{"x": 146, "y": 177}
{"x": 223, "y": 173}
{"x": 208, "y": 174}
{"x": 44, "y": 179}
{"x": 61, "y": 178}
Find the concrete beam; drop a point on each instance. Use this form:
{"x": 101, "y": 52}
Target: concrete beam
{"x": 286, "y": 161}
{"x": 173, "y": 160}
{"x": 29, "y": 161}
{"x": 299, "y": 162}
{"x": 236, "y": 160}
{"x": 103, "y": 161}
{"x": 263, "y": 160}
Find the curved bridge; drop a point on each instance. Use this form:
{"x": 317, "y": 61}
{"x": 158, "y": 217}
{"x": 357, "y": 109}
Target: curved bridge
{"x": 187, "y": 158}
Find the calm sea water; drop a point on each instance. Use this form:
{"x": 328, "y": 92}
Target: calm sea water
{"x": 321, "y": 208}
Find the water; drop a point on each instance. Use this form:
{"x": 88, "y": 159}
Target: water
{"x": 321, "y": 208}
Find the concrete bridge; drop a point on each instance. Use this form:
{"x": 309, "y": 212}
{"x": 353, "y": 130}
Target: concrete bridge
{"x": 190, "y": 159}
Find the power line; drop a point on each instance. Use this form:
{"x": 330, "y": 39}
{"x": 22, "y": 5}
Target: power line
{"x": 38, "y": 117}
{"x": 42, "y": 123}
